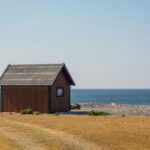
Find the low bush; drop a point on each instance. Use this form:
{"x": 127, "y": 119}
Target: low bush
{"x": 97, "y": 113}
{"x": 29, "y": 111}
{"x": 56, "y": 114}
{"x": 37, "y": 113}
{"x": 23, "y": 111}
{"x": 26, "y": 111}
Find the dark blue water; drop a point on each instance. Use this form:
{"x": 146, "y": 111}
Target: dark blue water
{"x": 138, "y": 97}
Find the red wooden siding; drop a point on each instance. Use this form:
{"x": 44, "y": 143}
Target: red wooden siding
{"x": 60, "y": 104}
{"x": 16, "y": 98}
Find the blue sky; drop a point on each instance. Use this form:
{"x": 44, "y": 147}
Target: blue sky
{"x": 105, "y": 44}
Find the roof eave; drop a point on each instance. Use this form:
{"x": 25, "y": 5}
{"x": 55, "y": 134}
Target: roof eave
{"x": 72, "y": 81}
{"x": 4, "y": 73}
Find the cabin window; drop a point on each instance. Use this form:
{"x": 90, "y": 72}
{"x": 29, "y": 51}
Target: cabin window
{"x": 60, "y": 92}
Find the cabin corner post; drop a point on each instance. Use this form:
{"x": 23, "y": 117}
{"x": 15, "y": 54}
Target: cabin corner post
{"x": 49, "y": 99}
{"x": 1, "y": 100}
{"x": 69, "y": 98}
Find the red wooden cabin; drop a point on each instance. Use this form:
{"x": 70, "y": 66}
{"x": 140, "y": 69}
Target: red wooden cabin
{"x": 44, "y": 88}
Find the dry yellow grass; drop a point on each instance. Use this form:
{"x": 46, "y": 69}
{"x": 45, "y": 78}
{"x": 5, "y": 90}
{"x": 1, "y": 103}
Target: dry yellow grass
{"x": 62, "y": 132}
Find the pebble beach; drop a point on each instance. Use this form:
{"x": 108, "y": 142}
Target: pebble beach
{"x": 117, "y": 109}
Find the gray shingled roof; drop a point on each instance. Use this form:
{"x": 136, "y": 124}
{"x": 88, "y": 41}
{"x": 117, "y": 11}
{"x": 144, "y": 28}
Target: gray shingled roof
{"x": 32, "y": 74}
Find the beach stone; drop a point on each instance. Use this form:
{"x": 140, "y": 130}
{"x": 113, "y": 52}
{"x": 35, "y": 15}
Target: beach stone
{"x": 118, "y": 109}
{"x": 75, "y": 106}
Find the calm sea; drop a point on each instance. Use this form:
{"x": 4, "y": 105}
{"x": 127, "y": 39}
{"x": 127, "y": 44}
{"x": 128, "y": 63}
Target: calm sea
{"x": 138, "y": 97}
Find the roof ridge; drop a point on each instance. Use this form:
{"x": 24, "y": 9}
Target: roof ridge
{"x": 52, "y": 64}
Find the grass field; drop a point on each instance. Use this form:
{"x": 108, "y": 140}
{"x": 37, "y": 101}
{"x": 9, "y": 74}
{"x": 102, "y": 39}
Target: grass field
{"x": 66, "y": 132}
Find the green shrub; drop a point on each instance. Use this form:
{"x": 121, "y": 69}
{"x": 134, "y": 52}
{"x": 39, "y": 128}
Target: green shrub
{"x": 97, "y": 113}
{"x": 26, "y": 111}
{"x": 23, "y": 111}
{"x": 29, "y": 111}
{"x": 56, "y": 114}
{"x": 37, "y": 113}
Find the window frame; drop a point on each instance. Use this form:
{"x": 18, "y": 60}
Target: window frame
{"x": 57, "y": 92}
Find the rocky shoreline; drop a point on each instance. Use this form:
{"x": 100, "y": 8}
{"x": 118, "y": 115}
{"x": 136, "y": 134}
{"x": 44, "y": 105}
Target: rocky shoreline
{"x": 116, "y": 109}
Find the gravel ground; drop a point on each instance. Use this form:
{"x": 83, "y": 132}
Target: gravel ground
{"x": 116, "y": 109}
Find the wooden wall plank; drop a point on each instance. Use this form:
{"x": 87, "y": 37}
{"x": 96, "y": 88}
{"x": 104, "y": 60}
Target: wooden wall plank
{"x": 21, "y": 97}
